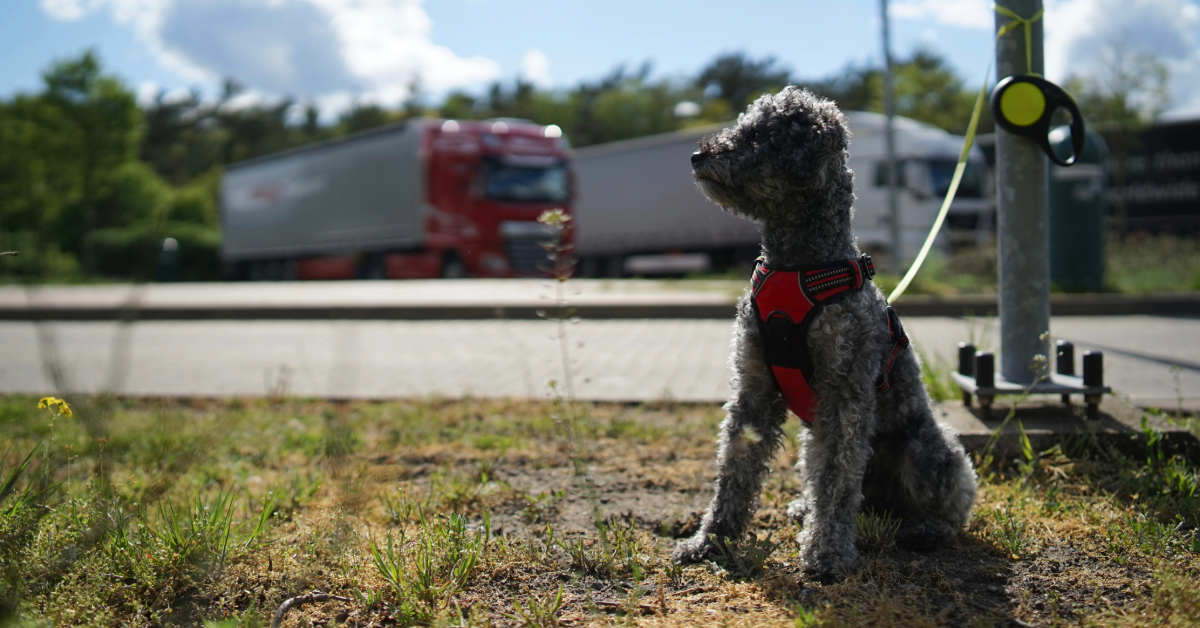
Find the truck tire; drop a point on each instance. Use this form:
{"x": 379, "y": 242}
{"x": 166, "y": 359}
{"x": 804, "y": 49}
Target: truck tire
{"x": 589, "y": 268}
{"x": 453, "y": 268}
{"x": 235, "y": 271}
{"x": 614, "y": 267}
{"x": 371, "y": 267}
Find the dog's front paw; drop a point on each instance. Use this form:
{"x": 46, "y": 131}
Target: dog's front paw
{"x": 695, "y": 549}
{"x": 830, "y": 567}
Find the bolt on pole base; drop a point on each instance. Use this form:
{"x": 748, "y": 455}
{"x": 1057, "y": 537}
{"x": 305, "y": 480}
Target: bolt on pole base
{"x": 977, "y": 377}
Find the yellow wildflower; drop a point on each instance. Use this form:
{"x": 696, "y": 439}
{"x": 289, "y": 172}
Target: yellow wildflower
{"x": 554, "y": 217}
{"x": 58, "y": 406}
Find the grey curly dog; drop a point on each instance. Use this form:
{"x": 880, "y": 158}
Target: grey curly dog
{"x": 783, "y": 166}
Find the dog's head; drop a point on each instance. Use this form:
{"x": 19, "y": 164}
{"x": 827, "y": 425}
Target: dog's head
{"x": 785, "y": 151}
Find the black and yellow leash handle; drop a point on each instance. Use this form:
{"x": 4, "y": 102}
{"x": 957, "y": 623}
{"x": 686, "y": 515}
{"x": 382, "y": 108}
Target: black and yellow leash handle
{"x": 1024, "y": 105}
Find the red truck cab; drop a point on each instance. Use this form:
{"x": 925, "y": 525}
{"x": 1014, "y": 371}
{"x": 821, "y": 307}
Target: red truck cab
{"x": 484, "y": 184}
{"x": 487, "y": 182}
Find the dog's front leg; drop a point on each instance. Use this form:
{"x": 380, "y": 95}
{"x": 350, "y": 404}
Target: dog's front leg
{"x": 834, "y": 453}
{"x": 751, "y": 435}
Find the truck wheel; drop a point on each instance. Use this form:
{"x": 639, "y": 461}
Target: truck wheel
{"x": 236, "y": 271}
{"x": 589, "y": 268}
{"x": 372, "y": 267}
{"x": 453, "y": 268}
{"x": 614, "y": 267}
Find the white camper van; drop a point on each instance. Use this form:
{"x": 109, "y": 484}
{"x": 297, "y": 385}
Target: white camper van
{"x": 926, "y": 157}
{"x": 639, "y": 211}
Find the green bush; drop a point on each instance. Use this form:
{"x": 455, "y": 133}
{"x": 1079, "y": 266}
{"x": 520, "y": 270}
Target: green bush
{"x": 36, "y": 259}
{"x": 133, "y": 194}
{"x": 133, "y": 252}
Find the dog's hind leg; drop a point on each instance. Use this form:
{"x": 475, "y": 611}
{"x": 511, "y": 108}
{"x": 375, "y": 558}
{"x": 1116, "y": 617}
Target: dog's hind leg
{"x": 751, "y": 436}
{"x": 936, "y": 476}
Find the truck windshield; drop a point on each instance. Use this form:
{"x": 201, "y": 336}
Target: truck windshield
{"x": 523, "y": 184}
{"x": 941, "y": 171}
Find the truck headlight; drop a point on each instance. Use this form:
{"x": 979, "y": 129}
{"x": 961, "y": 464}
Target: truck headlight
{"x": 494, "y": 263}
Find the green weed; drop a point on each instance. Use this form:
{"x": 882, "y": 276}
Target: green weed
{"x": 400, "y": 509}
{"x": 433, "y": 567}
{"x": 744, "y": 558}
{"x": 542, "y": 612}
{"x": 202, "y": 534}
{"x": 1010, "y": 533}
{"x": 876, "y": 532}
{"x": 936, "y": 375}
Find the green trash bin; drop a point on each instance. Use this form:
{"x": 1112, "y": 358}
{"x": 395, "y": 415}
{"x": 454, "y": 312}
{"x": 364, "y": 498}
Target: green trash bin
{"x": 1078, "y": 214}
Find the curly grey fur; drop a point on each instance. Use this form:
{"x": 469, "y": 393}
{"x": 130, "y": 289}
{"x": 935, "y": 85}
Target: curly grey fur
{"x": 783, "y": 165}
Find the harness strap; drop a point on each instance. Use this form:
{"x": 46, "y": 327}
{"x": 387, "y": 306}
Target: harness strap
{"x": 847, "y": 275}
{"x": 899, "y": 343}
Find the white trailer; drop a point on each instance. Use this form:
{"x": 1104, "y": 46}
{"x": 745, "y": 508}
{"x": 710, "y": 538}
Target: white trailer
{"x": 639, "y": 212}
{"x": 926, "y": 157}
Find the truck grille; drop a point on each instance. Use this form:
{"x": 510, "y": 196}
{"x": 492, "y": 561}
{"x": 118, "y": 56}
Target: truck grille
{"x": 526, "y": 254}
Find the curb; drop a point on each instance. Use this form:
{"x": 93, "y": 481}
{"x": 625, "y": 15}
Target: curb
{"x": 420, "y": 312}
{"x": 917, "y": 305}
{"x": 1187, "y": 304}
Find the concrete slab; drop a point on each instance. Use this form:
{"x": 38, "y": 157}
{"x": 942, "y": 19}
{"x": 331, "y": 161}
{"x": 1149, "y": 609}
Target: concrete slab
{"x": 477, "y": 299}
{"x": 616, "y": 360}
{"x": 1049, "y": 423}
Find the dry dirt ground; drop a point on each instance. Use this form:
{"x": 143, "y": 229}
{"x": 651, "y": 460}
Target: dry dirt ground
{"x": 568, "y": 512}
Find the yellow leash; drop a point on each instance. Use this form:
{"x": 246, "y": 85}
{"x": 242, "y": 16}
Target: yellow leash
{"x": 968, "y": 141}
{"x": 941, "y": 217}
{"x": 1020, "y": 21}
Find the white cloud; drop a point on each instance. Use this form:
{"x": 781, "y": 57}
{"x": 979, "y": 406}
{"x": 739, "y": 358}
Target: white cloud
{"x": 331, "y": 51}
{"x": 147, "y": 93}
{"x": 65, "y": 10}
{"x": 1079, "y": 32}
{"x": 964, "y": 13}
{"x": 535, "y": 68}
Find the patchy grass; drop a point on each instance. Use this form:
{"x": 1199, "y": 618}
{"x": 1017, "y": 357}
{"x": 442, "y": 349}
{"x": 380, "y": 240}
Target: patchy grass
{"x": 1139, "y": 263}
{"x": 477, "y": 513}
{"x": 1144, "y": 264}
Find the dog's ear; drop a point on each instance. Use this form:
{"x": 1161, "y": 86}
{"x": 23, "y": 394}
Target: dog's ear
{"x": 817, "y": 133}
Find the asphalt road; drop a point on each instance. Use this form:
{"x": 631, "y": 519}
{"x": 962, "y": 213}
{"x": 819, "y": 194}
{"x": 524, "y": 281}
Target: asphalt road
{"x": 1154, "y": 360}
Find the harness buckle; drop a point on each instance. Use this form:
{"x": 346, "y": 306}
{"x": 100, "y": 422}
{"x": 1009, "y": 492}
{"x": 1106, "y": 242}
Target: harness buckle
{"x": 784, "y": 343}
{"x": 866, "y": 266}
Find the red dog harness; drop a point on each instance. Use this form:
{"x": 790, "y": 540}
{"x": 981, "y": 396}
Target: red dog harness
{"x": 786, "y": 302}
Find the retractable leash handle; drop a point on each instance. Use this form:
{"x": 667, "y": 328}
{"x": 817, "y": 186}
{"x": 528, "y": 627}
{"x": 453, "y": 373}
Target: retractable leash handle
{"x": 1024, "y": 105}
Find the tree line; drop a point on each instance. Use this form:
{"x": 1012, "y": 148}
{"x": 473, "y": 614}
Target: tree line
{"x": 91, "y": 182}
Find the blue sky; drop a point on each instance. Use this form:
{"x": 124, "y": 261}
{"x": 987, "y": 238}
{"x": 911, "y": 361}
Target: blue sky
{"x": 335, "y": 51}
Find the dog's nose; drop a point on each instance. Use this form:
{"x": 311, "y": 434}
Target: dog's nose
{"x": 697, "y": 157}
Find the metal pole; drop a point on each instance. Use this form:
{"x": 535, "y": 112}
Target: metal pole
{"x": 1022, "y": 199}
{"x": 889, "y": 109}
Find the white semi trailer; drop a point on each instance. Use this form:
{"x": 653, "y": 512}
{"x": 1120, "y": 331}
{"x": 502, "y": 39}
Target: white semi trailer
{"x": 639, "y": 212}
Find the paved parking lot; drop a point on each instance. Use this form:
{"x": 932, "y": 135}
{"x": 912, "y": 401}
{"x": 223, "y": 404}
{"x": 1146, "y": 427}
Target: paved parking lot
{"x": 627, "y": 359}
